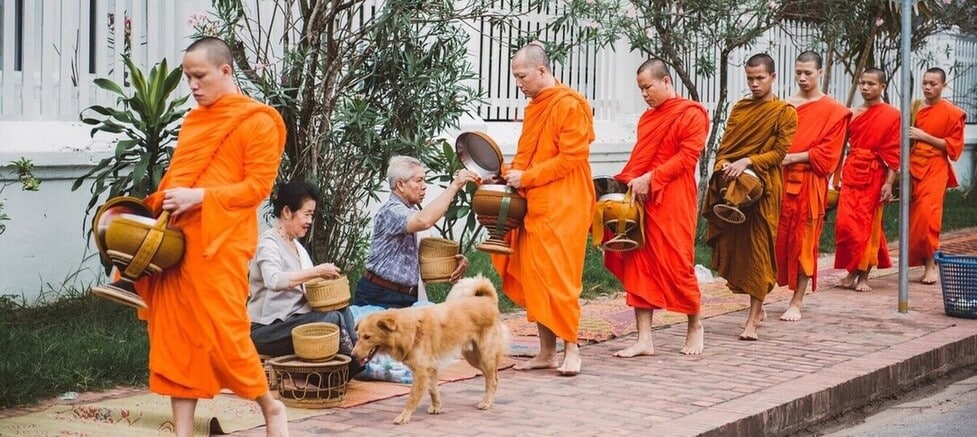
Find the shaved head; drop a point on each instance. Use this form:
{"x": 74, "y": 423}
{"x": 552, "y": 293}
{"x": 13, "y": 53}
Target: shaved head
{"x": 879, "y": 74}
{"x": 656, "y": 67}
{"x": 809, "y": 56}
{"x": 218, "y": 52}
{"x": 533, "y": 55}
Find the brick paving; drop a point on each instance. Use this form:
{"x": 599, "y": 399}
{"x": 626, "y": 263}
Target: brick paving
{"x": 849, "y": 349}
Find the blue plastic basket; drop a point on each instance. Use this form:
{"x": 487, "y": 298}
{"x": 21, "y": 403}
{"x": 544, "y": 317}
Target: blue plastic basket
{"x": 958, "y": 278}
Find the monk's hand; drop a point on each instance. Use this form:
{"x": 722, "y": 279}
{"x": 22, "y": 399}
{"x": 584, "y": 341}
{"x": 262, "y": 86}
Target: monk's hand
{"x": 886, "y": 194}
{"x": 461, "y": 269}
{"x": 640, "y": 186}
{"x": 327, "y": 271}
{"x": 734, "y": 169}
{"x": 180, "y": 200}
{"x": 514, "y": 178}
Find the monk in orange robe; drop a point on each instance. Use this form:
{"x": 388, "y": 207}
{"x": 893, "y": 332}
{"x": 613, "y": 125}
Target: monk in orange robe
{"x": 551, "y": 169}
{"x": 661, "y": 175}
{"x": 225, "y": 163}
{"x": 760, "y": 129}
{"x": 870, "y": 169}
{"x": 937, "y": 139}
{"x": 813, "y": 155}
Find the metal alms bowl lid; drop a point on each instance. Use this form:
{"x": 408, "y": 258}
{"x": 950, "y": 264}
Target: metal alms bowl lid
{"x": 605, "y": 185}
{"x": 479, "y": 153}
{"x": 111, "y": 210}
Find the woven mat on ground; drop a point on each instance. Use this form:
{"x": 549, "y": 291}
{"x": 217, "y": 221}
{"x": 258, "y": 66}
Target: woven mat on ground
{"x": 147, "y": 414}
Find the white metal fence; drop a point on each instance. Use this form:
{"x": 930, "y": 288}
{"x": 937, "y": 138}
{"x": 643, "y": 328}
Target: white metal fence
{"x": 51, "y": 50}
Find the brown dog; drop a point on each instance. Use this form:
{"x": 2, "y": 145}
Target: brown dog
{"x": 426, "y": 338}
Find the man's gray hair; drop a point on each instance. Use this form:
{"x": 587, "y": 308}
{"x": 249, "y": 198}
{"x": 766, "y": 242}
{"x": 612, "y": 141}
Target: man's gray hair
{"x": 401, "y": 168}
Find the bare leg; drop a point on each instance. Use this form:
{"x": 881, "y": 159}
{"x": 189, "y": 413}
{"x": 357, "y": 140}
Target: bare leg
{"x": 750, "y": 331}
{"x": 862, "y": 284}
{"x": 183, "y": 409}
{"x": 644, "y": 345}
{"x": 546, "y": 359}
{"x": 849, "y": 281}
{"x": 793, "y": 312}
{"x": 571, "y": 359}
{"x": 694, "y": 337}
{"x": 930, "y": 274}
{"x": 763, "y": 316}
{"x": 276, "y": 419}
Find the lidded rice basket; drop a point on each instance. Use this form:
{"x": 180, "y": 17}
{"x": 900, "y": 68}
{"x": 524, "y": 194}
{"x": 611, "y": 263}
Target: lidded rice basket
{"x": 316, "y": 342}
{"x": 328, "y": 294}
{"x": 437, "y": 259}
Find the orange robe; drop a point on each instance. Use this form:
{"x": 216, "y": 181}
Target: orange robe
{"x": 197, "y": 320}
{"x": 932, "y": 175}
{"x": 545, "y": 272}
{"x": 821, "y": 128}
{"x": 661, "y": 274}
{"x": 744, "y": 253}
{"x": 873, "y": 141}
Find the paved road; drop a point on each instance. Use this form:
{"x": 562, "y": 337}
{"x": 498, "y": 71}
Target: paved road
{"x": 951, "y": 411}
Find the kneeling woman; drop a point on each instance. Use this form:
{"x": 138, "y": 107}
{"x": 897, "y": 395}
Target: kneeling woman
{"x": 279, "y": 268}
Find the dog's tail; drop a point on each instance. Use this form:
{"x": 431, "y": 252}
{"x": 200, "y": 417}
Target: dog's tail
{"x": 484, "y": 288}
{"x": 477, "y": 286}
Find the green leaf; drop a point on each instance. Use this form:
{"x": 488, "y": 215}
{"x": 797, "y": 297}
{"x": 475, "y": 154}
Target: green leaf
{"x": 108, "y": 85}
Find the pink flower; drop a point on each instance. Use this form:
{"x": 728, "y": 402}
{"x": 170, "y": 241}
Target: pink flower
{"x": 879, "y": 21}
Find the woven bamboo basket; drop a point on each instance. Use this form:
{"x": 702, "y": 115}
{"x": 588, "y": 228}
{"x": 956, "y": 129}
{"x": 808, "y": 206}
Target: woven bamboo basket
{"x": 328, "y": 294}
{"x": 437, "y": 248}
{"x": 438, "y": 269}
{"x": 311, "y": 385}
{"x": 269, "y": 374}
{"x": 316, "y": 342}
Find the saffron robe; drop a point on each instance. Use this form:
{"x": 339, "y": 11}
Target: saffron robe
{"x": 545, "y": 272}
{"x": 873, "y": 149}
{"x": 661, "y": 274}
{"x": 932, "y": 174}
{"x": 197, "y": 320}
{"x": 821, "y": 128}
{"x": 744, "y": 253}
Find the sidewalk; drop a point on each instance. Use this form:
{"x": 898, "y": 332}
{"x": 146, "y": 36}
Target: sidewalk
{"x": 850, "y": 349}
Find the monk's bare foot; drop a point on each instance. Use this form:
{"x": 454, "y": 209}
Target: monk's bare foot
{"x": 276, "y": 420}
{"x": 571, "y": 365}
{"x": 763, "y": 316}
{"x": 636, "y": 349}
{"x": 930, "y": 277}
{"x": 792, "y": 314}
{"x": 538, "y": 362}
{"x": 694, "y": 340}
{"x": 849, "y": 281}
{"x": 749, "y": 334}
{"x": 863, "y": 286}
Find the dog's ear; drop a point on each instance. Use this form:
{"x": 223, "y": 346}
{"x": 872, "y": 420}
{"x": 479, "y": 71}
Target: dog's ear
{"x": 387, "y": 324}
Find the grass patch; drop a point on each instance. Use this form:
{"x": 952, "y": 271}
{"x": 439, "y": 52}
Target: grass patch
{"x": 74, "y": 344}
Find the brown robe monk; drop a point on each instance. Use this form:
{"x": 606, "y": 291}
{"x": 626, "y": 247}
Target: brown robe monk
{"x": 197, "y": 320}
{"x": 873, "y": 141}
{"x": 821, "y": 128}
{"x": 932, "y": 175}
{"x": 744, "y": 253}
{"x": 545, "y": 272}
{"x": 661, "y": 274}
